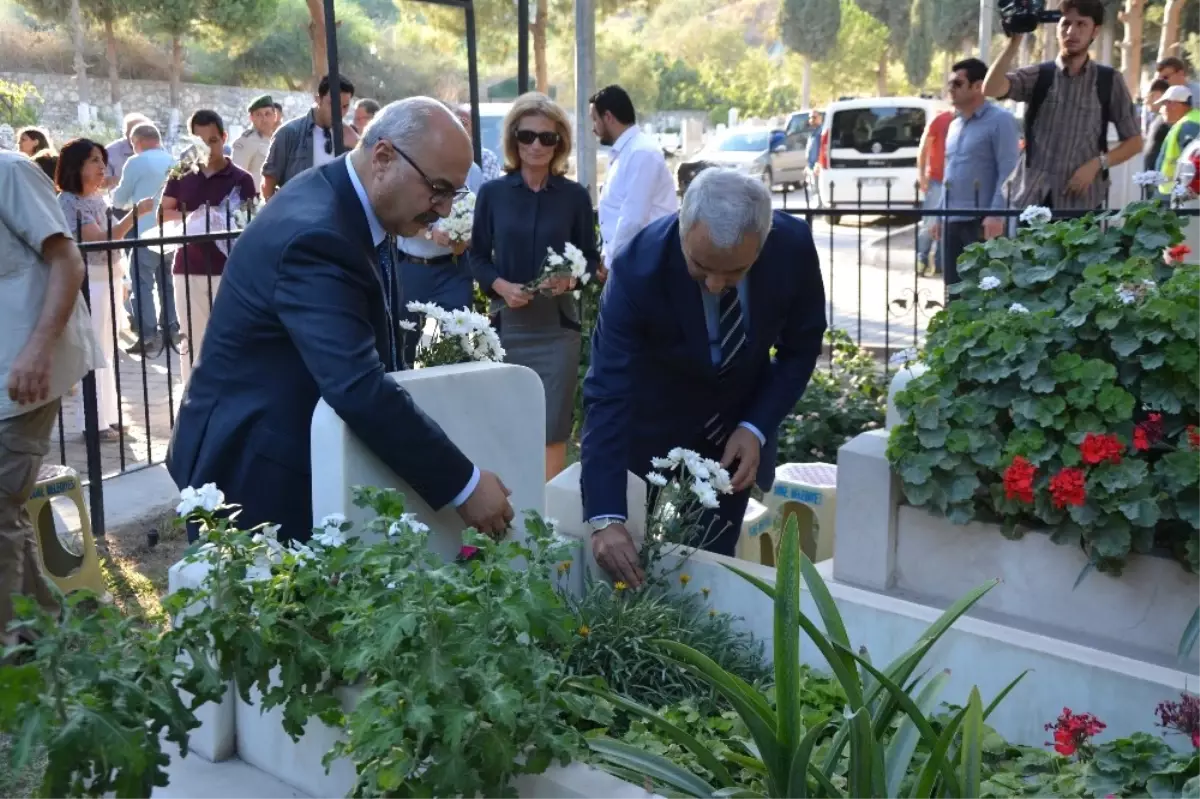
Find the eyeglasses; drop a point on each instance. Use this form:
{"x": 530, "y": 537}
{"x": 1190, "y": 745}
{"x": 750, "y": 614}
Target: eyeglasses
{"x": 547, "y": 138}
{"x": 441, "y": 192}
{"x": 957, "y": 83}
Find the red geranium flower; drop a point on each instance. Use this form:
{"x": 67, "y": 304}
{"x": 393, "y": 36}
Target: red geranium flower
{"x": 1073, "y": 732}
{"x": 1147, "y": 432}
{"x": 1141, "y": 441}
{"x": 1067, "y": 488}
{"x": 1178, "y": 252}
{"x": 1193, "y": 436}
{"x": 1100, "y": 448}
{"x": 1018, "y": 480}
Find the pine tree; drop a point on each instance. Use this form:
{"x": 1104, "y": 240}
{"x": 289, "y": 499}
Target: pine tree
{"x": 810, "y": 28}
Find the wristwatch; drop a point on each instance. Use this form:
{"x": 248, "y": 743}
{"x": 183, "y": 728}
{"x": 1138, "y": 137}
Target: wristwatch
{"x": 1103, "y": 161}
{"x": 603, "y": 522}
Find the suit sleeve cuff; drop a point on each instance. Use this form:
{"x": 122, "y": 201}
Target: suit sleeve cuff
{"x": 467, "y": 491}
{"x": 762, "y": 440}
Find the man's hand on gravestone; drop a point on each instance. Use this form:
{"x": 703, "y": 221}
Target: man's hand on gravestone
{"x": 614, "y": 550}
{"x": 488, "y": 509}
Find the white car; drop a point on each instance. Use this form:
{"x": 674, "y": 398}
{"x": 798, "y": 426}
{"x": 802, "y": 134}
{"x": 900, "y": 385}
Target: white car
{"x": 763, "y": 153}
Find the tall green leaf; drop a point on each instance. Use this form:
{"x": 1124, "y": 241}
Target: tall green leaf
{"x": 1187, "y": 642}
{"x": 653, "y": 766}
{"x": 904, "y": 743}
{"x": 835, "y": 627}
{"x": 787, "y": 648}
{"x": 972, "y": 747}
{"x": 798, "y": 773}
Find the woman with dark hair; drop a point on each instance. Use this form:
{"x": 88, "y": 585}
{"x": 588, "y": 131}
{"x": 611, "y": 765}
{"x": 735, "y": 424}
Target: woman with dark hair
{"x": 48, "y": 161}
{"x": 518, "y": 217}
{"x": 31, "y": 141}
{"x": 80, "y": 179}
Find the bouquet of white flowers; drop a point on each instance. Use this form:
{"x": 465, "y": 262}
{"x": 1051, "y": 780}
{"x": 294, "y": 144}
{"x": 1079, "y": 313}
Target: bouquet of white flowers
{"x": 571, "y": 263}
{"x": 687, "y": 486}
{"x": 231, "y": 214}
{"x": 462, "y": 336}
{"x": 458, "y": 225}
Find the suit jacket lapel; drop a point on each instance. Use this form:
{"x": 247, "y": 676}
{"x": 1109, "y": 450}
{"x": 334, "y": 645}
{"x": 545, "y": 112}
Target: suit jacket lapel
{"x": 758, "y": 298}
{"x": 686, "y": 297}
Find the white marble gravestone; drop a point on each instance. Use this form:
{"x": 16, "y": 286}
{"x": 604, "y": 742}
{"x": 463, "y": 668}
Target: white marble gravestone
{"x": 564, "y": 504}
{"x": 495, "y": 413}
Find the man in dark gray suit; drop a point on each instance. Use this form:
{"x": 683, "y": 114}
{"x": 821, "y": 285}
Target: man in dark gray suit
{"x": 307, "y": 310}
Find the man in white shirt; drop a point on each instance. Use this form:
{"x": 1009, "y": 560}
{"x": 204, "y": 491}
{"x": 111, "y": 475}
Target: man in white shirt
{"x": 639, "y": 188}
{"x": 46, "y": 346}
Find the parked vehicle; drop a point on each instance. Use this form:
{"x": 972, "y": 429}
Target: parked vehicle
{"x": 869, "y": 151}
{"x": 769, "y": 155}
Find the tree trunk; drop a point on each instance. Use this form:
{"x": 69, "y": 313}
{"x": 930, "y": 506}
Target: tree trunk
{"x": 1107, "y": 34}
{"x": 537, "y": 32}
{"x": 81, "y": 76}
{"x": 881, "y": 74}
{"x": 1168, "y": 42}
{"x": 947, "y": 62}
{"x": 114, "y": 77}
{"x": 1050, "y": 36}
{"x": 806, "y": 84}
{"x": 316, "y": 35}
{"x": 176, "y": 68}
{"x": 1131, "y": 45}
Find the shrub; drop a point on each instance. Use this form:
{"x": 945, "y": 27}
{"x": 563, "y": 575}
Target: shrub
{"x": 1062, "y": 390}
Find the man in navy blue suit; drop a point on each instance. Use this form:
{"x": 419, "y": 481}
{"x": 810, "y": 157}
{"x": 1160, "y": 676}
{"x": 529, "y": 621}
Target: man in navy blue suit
{"x": 681, "y": 355}
{"x": 307, "y": 310}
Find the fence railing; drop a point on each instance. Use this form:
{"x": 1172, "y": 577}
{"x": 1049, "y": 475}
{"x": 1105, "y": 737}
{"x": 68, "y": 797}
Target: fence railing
{"x": 120, "y": 419}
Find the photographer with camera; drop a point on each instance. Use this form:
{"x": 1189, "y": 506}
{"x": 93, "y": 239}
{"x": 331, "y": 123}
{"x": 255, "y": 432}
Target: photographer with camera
{"x": 1069, "y": 104}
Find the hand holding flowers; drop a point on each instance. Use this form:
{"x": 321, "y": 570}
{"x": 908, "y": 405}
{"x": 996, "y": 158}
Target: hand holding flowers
{"x": 560, "y": 271}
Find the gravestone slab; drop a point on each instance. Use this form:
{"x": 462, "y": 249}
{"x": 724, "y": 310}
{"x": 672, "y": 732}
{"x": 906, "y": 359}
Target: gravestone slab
{"x": 564, "y": 503}
{"x": 495, "y": 413}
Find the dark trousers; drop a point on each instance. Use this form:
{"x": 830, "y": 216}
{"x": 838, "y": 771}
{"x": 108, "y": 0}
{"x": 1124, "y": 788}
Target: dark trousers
{"x": 448, "y": 285}
{"x": 956, "y": 237}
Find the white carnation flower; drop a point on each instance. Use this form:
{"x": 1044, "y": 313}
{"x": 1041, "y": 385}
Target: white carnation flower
{"x": 655, "y": 478}
{"x": 1017, "y": 307}
{"x": 207, "y": 497}
{"x": 1036, "y": 215}
{"x": 989, "y": 282}
{"x": 1150, "y": 177}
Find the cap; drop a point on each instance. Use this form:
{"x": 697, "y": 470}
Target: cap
{"x": 261, "y": 102}
{"x": 1176, "y": 94}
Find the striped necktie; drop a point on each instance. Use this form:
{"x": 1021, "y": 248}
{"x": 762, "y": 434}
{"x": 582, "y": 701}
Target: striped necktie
{"x": 731, "y": 332}
{"x": 386, "y": 268}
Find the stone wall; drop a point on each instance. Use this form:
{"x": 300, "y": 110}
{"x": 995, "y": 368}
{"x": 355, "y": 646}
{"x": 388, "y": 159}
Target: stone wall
{"x": 59, "y": 112}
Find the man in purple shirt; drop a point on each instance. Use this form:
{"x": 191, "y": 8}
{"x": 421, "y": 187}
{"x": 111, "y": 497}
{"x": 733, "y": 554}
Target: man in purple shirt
{"x": 200, "y": 265}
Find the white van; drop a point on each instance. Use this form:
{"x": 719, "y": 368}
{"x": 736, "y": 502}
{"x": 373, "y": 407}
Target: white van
{"x": 874, "y": 142}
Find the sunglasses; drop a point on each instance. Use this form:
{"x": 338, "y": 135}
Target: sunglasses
{"x": 546, "y": 138}
{"x": 328, "y": 141}
{"x": 441, "y": 191}
{"x": 957, "y": 83}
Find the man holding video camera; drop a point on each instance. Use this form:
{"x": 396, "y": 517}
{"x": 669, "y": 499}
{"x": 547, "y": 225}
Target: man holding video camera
{"x": 1069, "y": 104}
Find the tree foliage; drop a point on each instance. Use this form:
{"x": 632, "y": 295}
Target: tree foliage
{"x": 810, "y": 27}
{"x": 918, "y": 53}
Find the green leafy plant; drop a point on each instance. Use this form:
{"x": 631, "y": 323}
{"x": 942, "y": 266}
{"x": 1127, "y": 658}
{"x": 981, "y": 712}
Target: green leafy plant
{"x": 1062, "y": 390}
{"x": 459, "y": 690}
{"x": 19, "y": 103}
{"x": 781, "y": 746}
{"x": 839, "y": 403}
{"x": 96, "y": 691}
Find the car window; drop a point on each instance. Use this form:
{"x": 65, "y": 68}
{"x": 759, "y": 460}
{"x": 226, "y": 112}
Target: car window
{"x": 744, "y": 142}
{"x": 883, "y": 129}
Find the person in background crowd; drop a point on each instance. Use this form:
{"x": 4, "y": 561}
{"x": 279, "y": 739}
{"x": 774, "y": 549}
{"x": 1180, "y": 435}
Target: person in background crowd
{"x": 518, "y": 218}
{"x": 31, "y": 141}
{"x": 198, "y": 266}
{"x": 278, "y": 106}
{"x": 8, "y": 137}
{"x": 434, "y": 269}
{"x": 82, "y": 167}
{"x": 1184, "y": 119}
{"x": 490, "y": 162}
{"x": 250, "y": 150}
{"x": 306, "y": 142}
{"x": 305, "y": 316}
{"x": 1175, "y": 72}
{"x": 46, "y": 346}
{"x": 639, "y": 187}
{"x": 1155, "y": 129}
{"x": 364, "y": 111}
{"x": 982, "y": 150}
{"x": 931, "y": 166}
{"x": 121, "y": 150}
{"x": 815, "y": 121}
{"x": 1066, "y": 164}
{"x": 144, "y": 176}
{"x": 48, "y": 161}
{"x": 709, "y": 330}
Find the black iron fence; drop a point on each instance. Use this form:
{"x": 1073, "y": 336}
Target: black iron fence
{"x": 155, "y": 294}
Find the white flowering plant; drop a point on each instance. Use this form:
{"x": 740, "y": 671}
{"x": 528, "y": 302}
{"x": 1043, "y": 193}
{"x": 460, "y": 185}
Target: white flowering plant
{"x": 684, "y": 490}
{"x": 1061, "y": 388}
{"x": 571, "y": 262}
{"x": 461, "y": 336}
{"x": 459, "y": 224}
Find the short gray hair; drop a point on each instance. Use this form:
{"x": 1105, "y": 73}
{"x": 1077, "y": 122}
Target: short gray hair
{"x": 404, "y": 122}
{"x": 146, "y": 131}
{"x": 729, "y": 205}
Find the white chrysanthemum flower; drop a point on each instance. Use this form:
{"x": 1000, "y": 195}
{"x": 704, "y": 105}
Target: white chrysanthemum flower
{"x": 705, "y": 494}
{"x": 407, "y": 325}
{"x": 989, "y": 282}
{"x": 1017, "y": 307}
{"x": 663, "y": 463}
{"x": 1036, "y": 215}
{"x": 720, "y": 480}
{"x": 207, "y": 497}
{"x": 655, "y": 478}
{"x": 1151, "y": 177}
{"x": 1126, "y": 297}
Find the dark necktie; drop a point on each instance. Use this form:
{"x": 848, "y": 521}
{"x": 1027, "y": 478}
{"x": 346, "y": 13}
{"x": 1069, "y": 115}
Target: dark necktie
{"x": 386, "y": 268}
{"x": 731, "y": 333}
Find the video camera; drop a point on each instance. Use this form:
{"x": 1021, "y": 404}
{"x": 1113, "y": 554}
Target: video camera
{"x": 1023, "y": 16}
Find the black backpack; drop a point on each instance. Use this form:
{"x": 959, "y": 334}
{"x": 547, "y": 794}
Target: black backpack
{"x": 1045, "y": 79}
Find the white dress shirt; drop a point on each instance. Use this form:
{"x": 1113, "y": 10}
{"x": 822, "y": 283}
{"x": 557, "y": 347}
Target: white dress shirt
{"x": 320, "y": 157}
{"x": 638, "y": 190}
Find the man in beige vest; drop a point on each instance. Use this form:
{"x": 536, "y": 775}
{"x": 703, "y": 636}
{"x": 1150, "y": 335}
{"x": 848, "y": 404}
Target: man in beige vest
{"x": 251, "y": 148}
{"x": 46, "y": 346}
